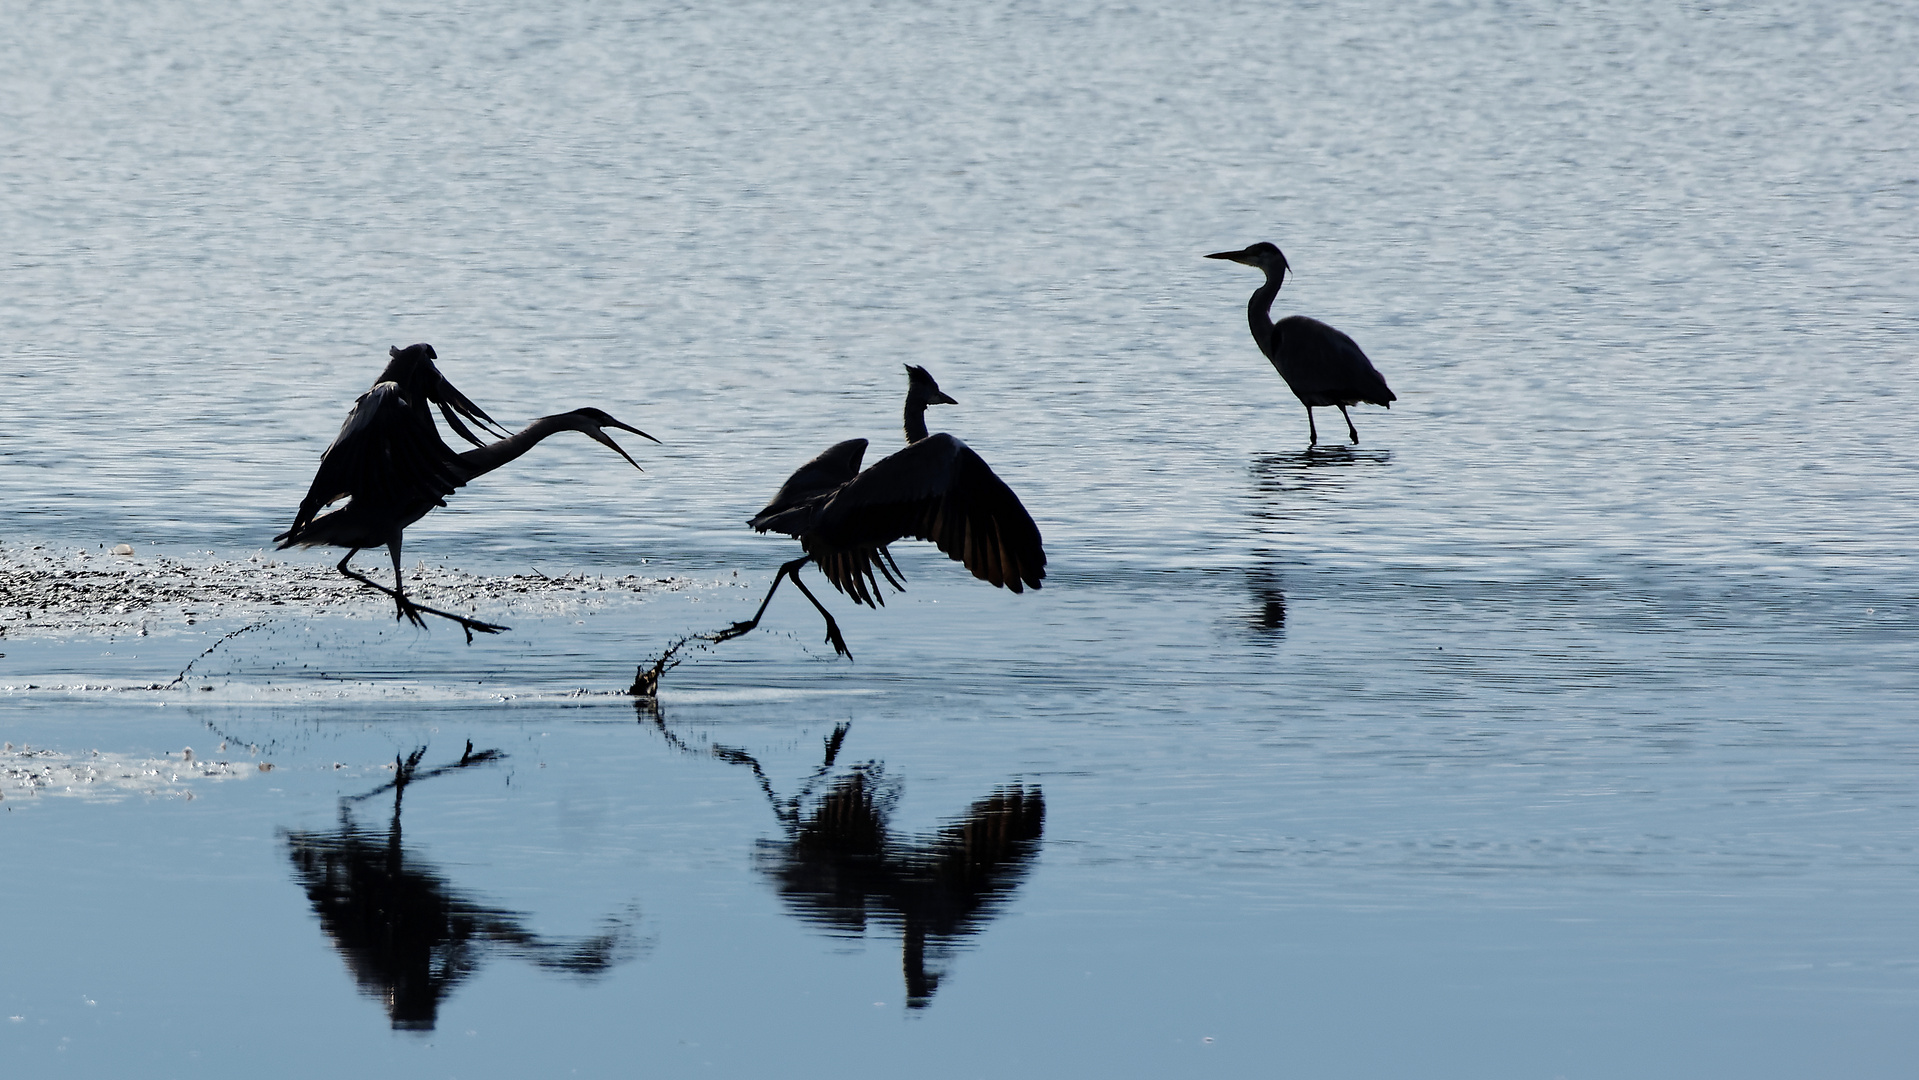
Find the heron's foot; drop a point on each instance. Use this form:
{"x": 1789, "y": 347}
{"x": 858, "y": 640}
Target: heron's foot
{"x": 408, "y": 610}
{"x": 738, "y": 629}
{"x": 833, "y": 637}
{"x": 471, "y": 626}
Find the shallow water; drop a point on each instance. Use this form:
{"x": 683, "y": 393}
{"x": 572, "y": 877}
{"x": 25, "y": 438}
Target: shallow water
{"x": 1562, "y": 727}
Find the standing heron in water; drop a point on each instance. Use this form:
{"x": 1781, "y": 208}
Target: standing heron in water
{"x": 936, "y": 489}
{"x": 390, "y": 464}
{"x": 1322, "y": 365}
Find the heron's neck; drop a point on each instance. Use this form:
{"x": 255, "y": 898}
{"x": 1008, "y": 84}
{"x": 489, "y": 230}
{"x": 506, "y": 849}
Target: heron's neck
{"x": 495, "y": 454}
{"x": 1259, "y": 312}
{"x": 915, "y": 419}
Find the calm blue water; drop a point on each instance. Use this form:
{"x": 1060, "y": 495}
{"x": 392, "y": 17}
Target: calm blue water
{"x": 1564, "y": 727}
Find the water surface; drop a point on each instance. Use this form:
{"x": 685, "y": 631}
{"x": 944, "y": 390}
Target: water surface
{"x": 1562, "y": 727}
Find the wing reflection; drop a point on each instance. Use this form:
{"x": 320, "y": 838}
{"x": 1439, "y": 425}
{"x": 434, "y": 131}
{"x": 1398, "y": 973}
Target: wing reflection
{"x": 841, "y": 868}
{"x": 407, "y": 934}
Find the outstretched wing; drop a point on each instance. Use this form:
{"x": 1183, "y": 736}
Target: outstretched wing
{"x": 937, "y": 489}
{"x": 1325, "y": 367}
{"x": 382, "y": 456}
{"x": 790, "y": 512}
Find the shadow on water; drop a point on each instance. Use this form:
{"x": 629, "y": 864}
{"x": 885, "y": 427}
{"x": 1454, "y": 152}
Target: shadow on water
{"x": 407, "y": 934}
{"x": 839, "y": 866}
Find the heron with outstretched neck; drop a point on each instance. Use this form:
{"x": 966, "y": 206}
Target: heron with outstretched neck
{"x": 1320, "y": 364}
{"x": 935, "y": 489}
{"x": 390, "y": 464}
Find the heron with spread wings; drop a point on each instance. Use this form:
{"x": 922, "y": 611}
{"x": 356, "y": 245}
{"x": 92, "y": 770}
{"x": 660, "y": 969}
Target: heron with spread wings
{"x": 935, "y": 489}
{"x": 392, "y": 467}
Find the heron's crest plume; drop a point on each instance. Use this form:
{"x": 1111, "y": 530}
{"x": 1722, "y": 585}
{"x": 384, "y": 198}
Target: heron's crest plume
{"x": 920, "y": 385}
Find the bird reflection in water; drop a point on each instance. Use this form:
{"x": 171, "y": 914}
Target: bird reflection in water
{"x": 1316, "y": 469}
{"x": 407, "y": 934}
{"x": 840, "y": 866}
{"x": 1293, "y": 486}
{"x": 1267, "y": 618}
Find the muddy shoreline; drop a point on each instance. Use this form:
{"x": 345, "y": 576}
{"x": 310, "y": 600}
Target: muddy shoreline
{"x": 52, "y": 591}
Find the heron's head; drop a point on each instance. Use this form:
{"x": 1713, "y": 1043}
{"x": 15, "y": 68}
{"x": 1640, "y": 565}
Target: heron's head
{"x": 921, "y": 387}
{"x": 1262, "y": 255}
{"x": 591, "y": 421}
{"x": 422, "y": 351}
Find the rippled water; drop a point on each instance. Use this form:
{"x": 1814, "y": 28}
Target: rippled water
{"x": 1562, "y": 727}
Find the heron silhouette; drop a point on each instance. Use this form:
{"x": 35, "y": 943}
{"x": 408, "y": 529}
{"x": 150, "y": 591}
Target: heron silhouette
{"x": 936, "y": 489}
{"x": 390, "y": 464}
{"x": 1320, "y": 364}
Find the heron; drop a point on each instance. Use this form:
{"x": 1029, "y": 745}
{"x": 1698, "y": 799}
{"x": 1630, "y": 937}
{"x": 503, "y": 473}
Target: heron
{"x": 936, "y": 489}
{"x": 389, "y": 463}
{"x": 1320, "y": 364}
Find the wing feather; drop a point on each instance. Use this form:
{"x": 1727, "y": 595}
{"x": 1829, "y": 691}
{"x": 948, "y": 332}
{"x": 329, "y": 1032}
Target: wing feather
{"x": 1325, "y": 367}
{"x": 381, "y": 457}
{"x": 809, "y": 485}
{"x": 937, "y": 489}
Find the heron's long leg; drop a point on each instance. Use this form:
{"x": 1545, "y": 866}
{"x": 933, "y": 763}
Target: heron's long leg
{"x": 398, "y": 599}
{"x": 469, "y": 625}
{"x": 1350, "y": 429}
{"x": 792, "y": 570}
{"x": 832, "y": 628}
{"x": 739, "y": 628}
{"x": 407, "y": 609}
{"x": 1312, "y": 430}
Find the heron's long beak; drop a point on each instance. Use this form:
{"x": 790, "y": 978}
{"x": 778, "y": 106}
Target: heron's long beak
{"x": 1235, "y": 256}
{"x": 604, "y": 439}
{"x": 634, "y": 430}
{"x": 939, "y": 398}
{"x": 593, "y": 431}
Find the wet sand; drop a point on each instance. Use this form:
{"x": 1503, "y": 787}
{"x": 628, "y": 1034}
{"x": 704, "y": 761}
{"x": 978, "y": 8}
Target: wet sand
{"x": 48, "y": 591}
